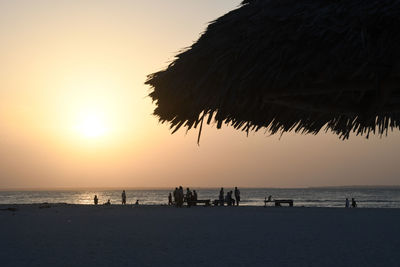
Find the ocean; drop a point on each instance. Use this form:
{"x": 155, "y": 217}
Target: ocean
{"x": 366, "y": 197}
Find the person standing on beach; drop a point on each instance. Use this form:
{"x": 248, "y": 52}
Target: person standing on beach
{"x": 221, "y": 197}
{"x": 237, "y": 196}
{"x": 347, "y": 203}
{"x": 353, "y": 203}
{"x": 189, "y": 197}
{"x": 170, "y": 199}
{"x": 228, "y": 198}
{"x": 194, "y": 197}
{"x": 96, "y": 200}
{"x": 123, "y": 195}
{"x": 175, "y": 193}
{"x": 180, "y": 196}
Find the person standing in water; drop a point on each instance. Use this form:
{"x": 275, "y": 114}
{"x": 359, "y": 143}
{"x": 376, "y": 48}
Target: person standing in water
{"x": 347, "y": 205}
{"x": 123, "y": 195}
{"x": 237, "y": 196}
{"x": 96, "y": 200}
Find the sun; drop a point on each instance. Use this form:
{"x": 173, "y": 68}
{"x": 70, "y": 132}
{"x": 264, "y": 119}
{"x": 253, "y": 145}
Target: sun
{"x": 92, "y": 125}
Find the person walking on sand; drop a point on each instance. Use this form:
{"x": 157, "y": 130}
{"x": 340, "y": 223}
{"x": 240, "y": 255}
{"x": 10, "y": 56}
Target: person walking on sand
{"x": 237, "y": 196}
{"x": 353, "y": 203}
{"x": 123, "y": 195}
{"x": 347, "y": 205}
{"x": 96, "y": 200}
{"x": 221, "y": 197}
{"x": 170, "y": 199}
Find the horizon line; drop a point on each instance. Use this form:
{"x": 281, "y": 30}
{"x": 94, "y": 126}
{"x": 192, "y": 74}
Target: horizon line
{"x": 105, "y": 188}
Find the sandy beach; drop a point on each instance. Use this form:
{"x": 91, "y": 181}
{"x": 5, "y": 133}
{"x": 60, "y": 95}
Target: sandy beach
{"x": 79, "y": 235}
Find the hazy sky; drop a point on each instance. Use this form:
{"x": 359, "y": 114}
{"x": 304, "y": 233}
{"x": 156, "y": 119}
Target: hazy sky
{"x": 74, "y": 111}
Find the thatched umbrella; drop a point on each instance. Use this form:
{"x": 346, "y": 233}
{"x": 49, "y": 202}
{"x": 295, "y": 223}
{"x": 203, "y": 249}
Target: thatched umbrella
{"x": 299, "y": 65}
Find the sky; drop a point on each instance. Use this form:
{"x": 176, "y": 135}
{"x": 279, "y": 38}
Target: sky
{"x": 74, "y": 110}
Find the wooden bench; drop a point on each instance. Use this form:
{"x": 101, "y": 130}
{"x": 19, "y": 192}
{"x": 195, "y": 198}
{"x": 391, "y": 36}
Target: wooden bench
{"x": 279, "y": 202}
{"x": 206, "y": 202}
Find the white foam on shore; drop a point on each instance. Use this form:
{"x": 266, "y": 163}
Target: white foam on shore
{"x": 82, "y": 235}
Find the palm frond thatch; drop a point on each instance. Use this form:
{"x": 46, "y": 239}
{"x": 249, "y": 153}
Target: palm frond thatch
{"x": 300, "y": 65}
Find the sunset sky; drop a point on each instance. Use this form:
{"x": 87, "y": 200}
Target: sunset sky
{"x": 74, "y": 110}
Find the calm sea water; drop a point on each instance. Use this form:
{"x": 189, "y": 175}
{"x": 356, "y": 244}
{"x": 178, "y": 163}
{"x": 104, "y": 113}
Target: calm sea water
{"x": 309, "y": 197}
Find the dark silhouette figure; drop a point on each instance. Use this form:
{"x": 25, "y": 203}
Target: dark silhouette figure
{"x": 189, "y": 197}
{"x": 237, "y": 196}
{"x": 180, "y": 196}
{"x": 347, "y": 205}
{"x": 96, "y": 200}
{"x": 228, "y": 199}
{"x": 175, "y": 193}
{"x": 221, "y": 196}
{"x": 108, "y": 203}
{"x": 169, "y": 199}
{"x": 353, "y": 203}
{"x": 194, "y": 197}
{"x": 123, "y": 195}
{"x": 137, "y": 202}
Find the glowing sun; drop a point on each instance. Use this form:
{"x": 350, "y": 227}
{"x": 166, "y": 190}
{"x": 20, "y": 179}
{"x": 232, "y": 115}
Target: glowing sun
{"x": 92, "y": 125}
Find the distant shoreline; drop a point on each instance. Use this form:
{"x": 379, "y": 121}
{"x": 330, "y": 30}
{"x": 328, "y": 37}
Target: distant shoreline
{"x": 196, "y": 187}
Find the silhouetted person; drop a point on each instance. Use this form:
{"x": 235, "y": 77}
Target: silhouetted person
{"x": 353, "y": 203}
{"x": 228, "y": 198}
{"x": 269, "y": 198}
{"x": 123, "y": 195}
{"x": 194, "y": 197}
{"x": 96, "y": 200}
{"x": 237, "y": 196}
{"x": 137, "y": 202}
{"x": 180, "y": 196}
{"x": 175, "y": 193}
{"x": 108, "y": 203}
{"x": 169, "y": 199}
{"x": 189, "y": 197}
{"x": 347, "y": 205}
{"x": 221, "y": 196}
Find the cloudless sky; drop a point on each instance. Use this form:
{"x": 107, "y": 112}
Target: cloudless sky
{"x": 74, "y": 110}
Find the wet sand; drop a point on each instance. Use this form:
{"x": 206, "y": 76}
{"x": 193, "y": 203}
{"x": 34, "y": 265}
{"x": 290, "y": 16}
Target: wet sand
{"x": 79, "y": 235}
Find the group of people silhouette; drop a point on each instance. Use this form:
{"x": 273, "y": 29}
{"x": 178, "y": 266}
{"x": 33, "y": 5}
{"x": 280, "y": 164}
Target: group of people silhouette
{"x": 228, "y": 198}
{"x": 177, "y": 197}
{"x": 353, "y": 203}
{"x": 123, "y": 197}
